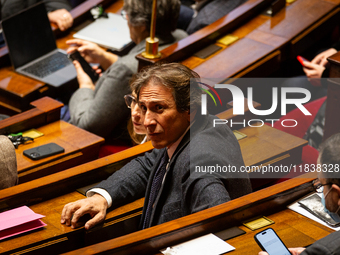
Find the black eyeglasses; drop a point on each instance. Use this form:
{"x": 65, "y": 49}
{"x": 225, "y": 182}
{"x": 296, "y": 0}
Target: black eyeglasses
{"x": 130, "y": 101}
{"x": 124, "y": 14}
{"x": 318, "y": 186}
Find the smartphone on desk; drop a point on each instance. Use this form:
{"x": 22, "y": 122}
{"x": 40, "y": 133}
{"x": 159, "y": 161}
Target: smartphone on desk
{"x": 270, "y": 242}
{"x": 302, "y": 60}
{"x": 43, "y": 151}
{"x": 75, "y": 55}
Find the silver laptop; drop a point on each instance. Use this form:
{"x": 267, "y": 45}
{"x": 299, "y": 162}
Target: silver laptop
{"x": 32, "y": 47}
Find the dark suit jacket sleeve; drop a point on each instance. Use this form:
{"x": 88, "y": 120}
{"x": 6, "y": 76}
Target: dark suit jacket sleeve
{"x": 211, "y": 12}
{"x": 329, "y": 245}
{"x": 129, "y": 183}
{"x": 203, "y": 193}
{"x": 212, "y": 147}
{"x": 103, "y": 110}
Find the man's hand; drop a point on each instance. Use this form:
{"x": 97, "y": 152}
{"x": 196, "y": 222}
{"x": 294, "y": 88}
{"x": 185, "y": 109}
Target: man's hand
{"x": 294, "y": 251}
{"x": 62, "y": 18}
{"x": 95, "y": 206}
{"x": 313, "y": 73}
{"x": 83, "y": 79}
{"x": 92, "y": 52}
{"x": 321, "y": 59}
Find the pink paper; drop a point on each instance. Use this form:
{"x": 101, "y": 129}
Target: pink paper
{"x": 19, "y": 220}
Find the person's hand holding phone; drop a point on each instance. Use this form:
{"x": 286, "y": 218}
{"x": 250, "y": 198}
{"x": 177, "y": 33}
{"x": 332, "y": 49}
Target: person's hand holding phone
{"x": 321, "y": 59}
{"x": 91, "y": 52}
{"x": 84, "y": 80}
{"x": 75, "y": 55}
{"x": 313, "y": 71}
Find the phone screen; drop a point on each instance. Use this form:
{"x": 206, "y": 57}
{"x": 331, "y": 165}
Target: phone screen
{"x": 271, "y": 243}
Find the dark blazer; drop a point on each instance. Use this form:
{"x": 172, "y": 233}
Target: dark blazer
{"x": 329, "y": 245}
{"x": 180, "y": 194}
{"x": 14, "y": 6}
{"x": 212, "y": 11}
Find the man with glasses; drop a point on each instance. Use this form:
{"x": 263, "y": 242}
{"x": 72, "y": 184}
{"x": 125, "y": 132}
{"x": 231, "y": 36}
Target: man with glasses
{"x": 328, "y": 184}
{"x": 183, "y": 138}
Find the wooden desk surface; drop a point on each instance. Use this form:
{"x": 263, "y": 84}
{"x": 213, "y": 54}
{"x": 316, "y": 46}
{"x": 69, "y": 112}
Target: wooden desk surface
{"x": 57, "y": 234}
{"x": 269, "y": 40}
{"x": 265, "y": 143}
{"x": 294, "y": 230}
{"x": 80, "y": 147}
{"x": 52, "y": 210}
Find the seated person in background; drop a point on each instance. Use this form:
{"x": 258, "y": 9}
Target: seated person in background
{"x": 8, "y": 163}
{"x": 135, "y": 127}
{"x": 181, "y": 135}
{"x": 58, "y": 10}
{"x": 315, "y": 69}
{"x": 100, "y": 108}
{"x": 204, "y": 12}
{"x": 329, "y": 184}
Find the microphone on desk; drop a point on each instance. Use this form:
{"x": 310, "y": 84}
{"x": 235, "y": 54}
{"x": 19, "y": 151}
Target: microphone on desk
{"x": 151, "y": 47}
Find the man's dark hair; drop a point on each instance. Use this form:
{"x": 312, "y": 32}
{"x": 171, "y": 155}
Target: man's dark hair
{"x": 175, "y": 76}
{"x": 139, "y": 13}
{"x": 330, "y": 158}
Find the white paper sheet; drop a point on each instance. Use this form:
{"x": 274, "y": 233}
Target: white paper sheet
{"x": 208, "y": 244}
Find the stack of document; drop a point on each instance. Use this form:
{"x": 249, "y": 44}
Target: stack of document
{"x": 18, "y": 221}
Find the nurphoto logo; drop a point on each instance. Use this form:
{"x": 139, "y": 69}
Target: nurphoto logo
{"x": 280, "y": 98}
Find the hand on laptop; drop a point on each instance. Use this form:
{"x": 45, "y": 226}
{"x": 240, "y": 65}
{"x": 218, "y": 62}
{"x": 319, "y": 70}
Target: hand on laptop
{"x": 62, "y": 18}
{"x": 83, "y": 79}
{"x": 92, "y": 52}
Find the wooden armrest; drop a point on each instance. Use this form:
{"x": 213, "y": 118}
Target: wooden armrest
{"x": 45, "y": 110}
